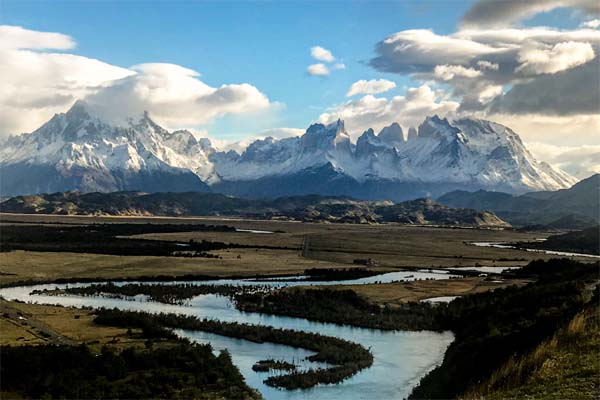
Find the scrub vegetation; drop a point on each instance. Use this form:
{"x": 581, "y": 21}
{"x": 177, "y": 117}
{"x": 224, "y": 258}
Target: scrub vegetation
{"x": 347, "y": 358}
{"x": 184, "y": 371}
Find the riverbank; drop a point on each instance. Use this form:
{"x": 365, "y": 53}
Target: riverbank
{"x": 346, "y": 358}
{"x": 60, "y": 352}
{"x": 492, "y": 327}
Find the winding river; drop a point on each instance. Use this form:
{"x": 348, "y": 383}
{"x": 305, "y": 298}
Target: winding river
{"x": 401, "y": 358}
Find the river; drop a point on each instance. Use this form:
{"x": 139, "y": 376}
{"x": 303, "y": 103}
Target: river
{"x": 401, "y": 358}
{"x": 500, "y": 245}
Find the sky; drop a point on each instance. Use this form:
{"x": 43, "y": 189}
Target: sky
{"x": 235, "y": 71}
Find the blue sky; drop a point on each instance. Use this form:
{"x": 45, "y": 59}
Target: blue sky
{"x": 267, "y": 44}
{"x": 264, "y": 43}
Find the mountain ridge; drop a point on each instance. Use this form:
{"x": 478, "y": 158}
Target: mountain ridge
{"x": 79, "y": 151}
{"x": 575, "y": 207}
{"x": 309, "y": 208}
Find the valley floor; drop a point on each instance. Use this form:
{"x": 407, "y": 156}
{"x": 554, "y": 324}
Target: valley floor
{"x": 292, "y": 248}
{"x": 301, "y": 246}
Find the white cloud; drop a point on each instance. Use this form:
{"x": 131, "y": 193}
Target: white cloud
{"x": 372, "y": 86}
{"x": 16, "y": 37}
{"x": 377, "y": 112}
{"x": 281, "y": 133}
{"x": 580, "y": 161}
{"x": 509, "y": 38}
{"x": 447, "y": 72}
{"x": 552, "y": 59}
{"x": 318, "y": 70}
{"x": 540, "y": 81}
{"x": 420, "y": 50}
{"x": 591, "y": 24}
{"x": 489, "y": 92}
{"x": 484, "y": 64}
{"x": 240, "y": 145}
{"x": 475, "y": 64}
{"x": 557, "y": 130}
{"x": 322, "y": 54}
{"x": 325, "y": 67}
{"x": 174, "y": 96}
{"x": 37, "y": 84}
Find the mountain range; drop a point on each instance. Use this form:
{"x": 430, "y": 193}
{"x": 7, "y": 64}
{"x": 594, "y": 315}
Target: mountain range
{"x": 312, "y": 208}
{"x": 577, "y": 207}
{"x": 78, "y": 150}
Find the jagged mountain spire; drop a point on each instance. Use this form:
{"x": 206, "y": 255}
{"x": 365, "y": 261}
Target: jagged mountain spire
{"x": 79, "y": 151}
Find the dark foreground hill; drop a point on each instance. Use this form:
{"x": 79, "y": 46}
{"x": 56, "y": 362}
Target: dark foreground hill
{"x": 303, "y": 208}
{"x": 575, "y": 208}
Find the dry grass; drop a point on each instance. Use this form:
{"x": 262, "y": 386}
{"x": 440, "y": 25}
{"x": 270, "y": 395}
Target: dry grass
{"x": 43, "y": 266}
{"x": 391, "y": 245}
{"x": 400, "y": 292}
{"x": 329, "y": 245}
{"x": 566, "y": 366}
{"x": 53, "y": 324}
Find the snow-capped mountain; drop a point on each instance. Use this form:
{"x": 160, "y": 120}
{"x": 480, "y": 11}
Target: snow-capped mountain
{"x": 78, "y": 151}
{"x": 467, "y": 153}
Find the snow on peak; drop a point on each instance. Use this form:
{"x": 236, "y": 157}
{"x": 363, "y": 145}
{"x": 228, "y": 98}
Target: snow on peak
{"x": 465, "y": 150}
{"x": 392, "y": 135}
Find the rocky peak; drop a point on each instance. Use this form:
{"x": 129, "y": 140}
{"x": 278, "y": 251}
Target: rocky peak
{"x": 412, "y": 133}
{"x": 441, "y": 129}
{"x": 323, "y": 138}
{"x": 331, "y": 130}
{"x": 392, "y": 135}
{"x": 78, "y": 112}
{"x": 147, "y": 123}
{"x": 368, "y": 144}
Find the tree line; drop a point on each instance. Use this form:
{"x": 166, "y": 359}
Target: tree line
{"x": 347, "y": 357}
{"x": 184, "y": 371}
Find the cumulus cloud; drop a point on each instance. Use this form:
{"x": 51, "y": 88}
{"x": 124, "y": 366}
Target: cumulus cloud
{"x": 478, "y": 65}
{"x": 447, "y": 72}
{"x": 483, "y": 64}
{"x": 372, "y": 86}
{"x": 420, "y": 50}
{"x": 240, "y": 145}
{"x": 580, "y": 161}
{"x": 36, "y": 84}
{"x": 317, "y": 70}
{"x": 377, "y": 112}
{"x": 537, "y": 60}
{"x": 571, "y": 130}
{"x": 540, "y": 81}
{"x": 17, "y": 37}
{"x": 322, "y": 54}
{"x": 174, "y": 96}
{"x": 327, "y": 65}
{"x": 591, "y": 24}
{"x": 486, "y": 13}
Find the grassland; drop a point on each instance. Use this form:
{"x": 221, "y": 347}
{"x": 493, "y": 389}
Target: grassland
{"x": 33, "y": 324}
{"x": 310, "y": 245}
{"x": 566, "y": 366}
{"x": 397, "y": 293}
